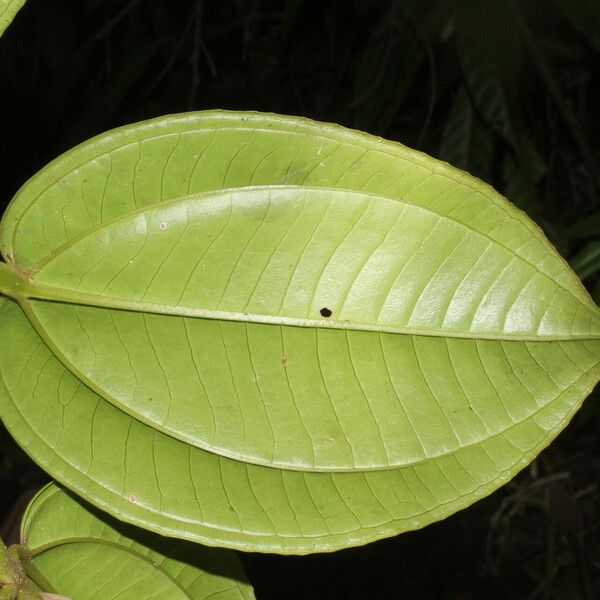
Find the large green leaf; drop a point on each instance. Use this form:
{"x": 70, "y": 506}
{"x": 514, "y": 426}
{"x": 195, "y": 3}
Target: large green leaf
{"x": 114, "y": 560}
{"x": 8, "y": 10}
{"x": 279, "y": 335}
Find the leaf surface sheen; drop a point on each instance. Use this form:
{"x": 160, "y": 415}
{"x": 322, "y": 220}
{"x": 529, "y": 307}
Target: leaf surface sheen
{"x": 313, "y": 338}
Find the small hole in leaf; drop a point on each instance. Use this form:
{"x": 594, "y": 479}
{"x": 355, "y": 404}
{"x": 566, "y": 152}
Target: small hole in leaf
{"x": 325, "y": 312}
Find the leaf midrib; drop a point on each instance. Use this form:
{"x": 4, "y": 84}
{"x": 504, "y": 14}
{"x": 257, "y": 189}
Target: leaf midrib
{"x": 305, "y": 127}
{"x": 58, "y": 354}
{"x": 48, "y": 292}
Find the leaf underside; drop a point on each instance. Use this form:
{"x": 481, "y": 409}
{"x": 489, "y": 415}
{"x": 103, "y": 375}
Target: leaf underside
{"x": 120, "y": 561}
{"x": 278, "y": 335}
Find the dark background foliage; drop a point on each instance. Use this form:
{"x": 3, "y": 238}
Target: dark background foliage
{"x": 508, "y": 91}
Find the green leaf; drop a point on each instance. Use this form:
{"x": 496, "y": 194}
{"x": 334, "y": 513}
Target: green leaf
{"x": 466, "y": 142}
{"x": 310, "y": 338}
{"x": 8, "y": 10}
{"x": 392, "y": 57}
{"x": 489, "y": 52}
{"x": 115, "y": 560}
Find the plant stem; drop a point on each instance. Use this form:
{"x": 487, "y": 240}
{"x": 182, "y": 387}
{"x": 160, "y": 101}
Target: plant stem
{"x": 33, "y": 572}
{"x": 12, "y": 283}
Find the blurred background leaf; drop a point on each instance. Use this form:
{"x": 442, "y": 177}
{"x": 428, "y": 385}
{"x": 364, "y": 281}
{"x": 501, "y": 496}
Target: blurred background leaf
{"x": 467, "y": 143}
{"x": 584, "y": 15}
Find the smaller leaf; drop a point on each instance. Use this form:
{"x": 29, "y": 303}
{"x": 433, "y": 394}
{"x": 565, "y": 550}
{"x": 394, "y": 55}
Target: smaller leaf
{"x": 61, "y": 532}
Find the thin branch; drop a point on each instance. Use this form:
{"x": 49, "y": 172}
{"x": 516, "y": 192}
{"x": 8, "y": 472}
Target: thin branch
{"x": 432, "y": 95}
{"x": 247, "y": 28}
{"x": 195, "y": 56}
{"x": 112, "y": 23}
{"x": 199, "y": 45}
{"x": 169, "y": 64}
